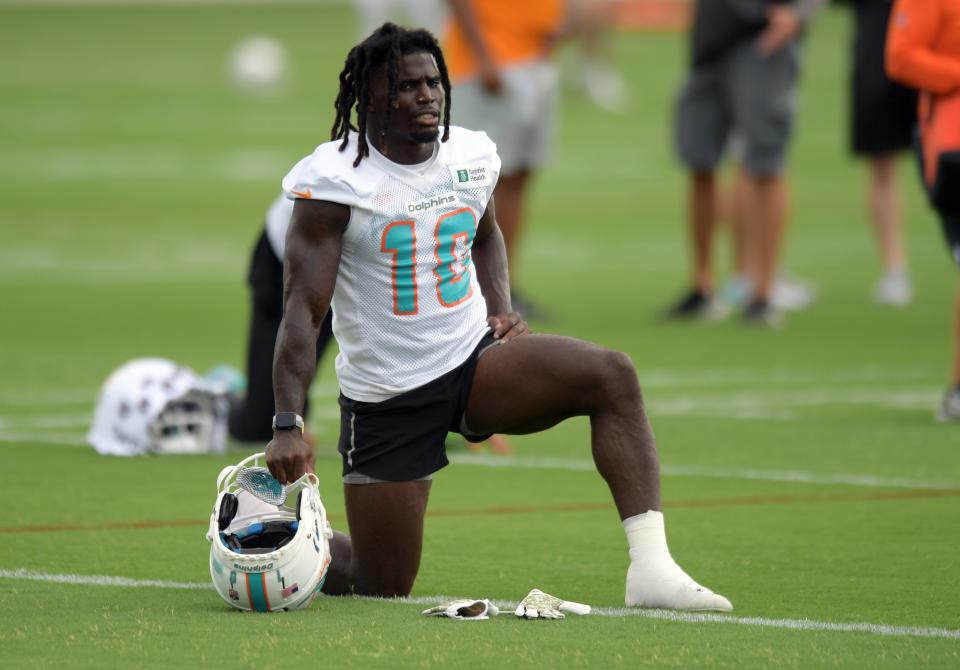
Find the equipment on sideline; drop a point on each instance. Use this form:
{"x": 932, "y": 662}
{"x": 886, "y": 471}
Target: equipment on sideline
{"x": 153, "y": 405}
{"x": 265, "y": 556}
{"x": 540, "y": 605}
{"x": 465, "y": 610}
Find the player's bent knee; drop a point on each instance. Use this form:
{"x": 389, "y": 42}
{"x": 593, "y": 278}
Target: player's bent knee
{"x": 620, "y": 378}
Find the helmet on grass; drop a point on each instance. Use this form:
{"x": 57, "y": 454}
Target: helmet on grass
{"x": 266, "y": 556}
{"x": 153, "y": 405}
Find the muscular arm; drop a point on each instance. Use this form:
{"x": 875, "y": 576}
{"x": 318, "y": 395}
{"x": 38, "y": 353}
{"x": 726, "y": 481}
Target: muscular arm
{"x": 910, "y": 58}
{"x": 490, "y": 263}
{"x": 312, "y": 254}
{"x": 490, "y": 260}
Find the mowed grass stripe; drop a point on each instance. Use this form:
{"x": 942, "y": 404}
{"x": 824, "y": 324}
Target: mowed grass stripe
{"x": 586, "y": 465}
{"x": 797, "y": 476}
{"x": 507, "y": 605}
{"x": 527, "y": 509}
{"x": 699, "y": 378}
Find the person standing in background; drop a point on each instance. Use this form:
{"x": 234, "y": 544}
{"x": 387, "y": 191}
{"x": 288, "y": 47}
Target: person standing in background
{"x": 882, "y": 122}
{"x": 744, "y": 65}
{"x": 499, "y": 55}
{"x": 923, "y": 51}
{"x": 429, "y": 14}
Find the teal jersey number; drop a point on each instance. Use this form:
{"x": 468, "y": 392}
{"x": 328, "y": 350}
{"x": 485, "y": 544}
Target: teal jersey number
{"x": 454, "y": 229}
{"x": 453, "y": 270}
{"x": 400, "y": 239}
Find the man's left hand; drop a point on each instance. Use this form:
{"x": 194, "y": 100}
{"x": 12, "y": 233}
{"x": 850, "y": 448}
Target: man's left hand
{"x": 783, "y": 25}
{"x": 507, "y": 326}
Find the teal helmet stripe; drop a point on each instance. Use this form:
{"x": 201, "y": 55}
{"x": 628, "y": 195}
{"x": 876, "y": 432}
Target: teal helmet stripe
{"x": 257, "y": 589}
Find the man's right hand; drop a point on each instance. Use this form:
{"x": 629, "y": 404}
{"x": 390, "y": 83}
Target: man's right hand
{"x": 289, "y": 456}
{"x": 490, "y": 77}
{"x": 783, "y": 26}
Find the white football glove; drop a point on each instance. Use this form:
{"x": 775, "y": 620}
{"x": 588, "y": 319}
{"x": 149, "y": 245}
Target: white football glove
{"x": 465, "y": 610}
{"x": 540, "y": 605}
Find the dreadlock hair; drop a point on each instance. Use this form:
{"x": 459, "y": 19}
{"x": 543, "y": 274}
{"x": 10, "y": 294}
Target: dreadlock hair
{"x": 385, "y": 46}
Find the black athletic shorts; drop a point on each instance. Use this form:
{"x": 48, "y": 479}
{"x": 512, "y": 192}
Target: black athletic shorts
{"x": 882, "y": 114}
{"x": 402, "y": 438}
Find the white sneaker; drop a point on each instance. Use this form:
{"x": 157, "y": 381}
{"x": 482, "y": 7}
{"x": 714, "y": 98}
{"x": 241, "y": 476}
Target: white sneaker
{"x": 792, "y": 295}
{"x": 893, "y": 289}
{"x": 606, "y": 88}
{"x": 950, "y": 407}
{"x": 670, "y": 589}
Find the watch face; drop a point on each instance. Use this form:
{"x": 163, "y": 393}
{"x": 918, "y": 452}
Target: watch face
{"x": 286, "y": 421}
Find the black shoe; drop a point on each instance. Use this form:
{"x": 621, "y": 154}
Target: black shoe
{"x": 761, "y": 313}
{"x": 694, "y": 305}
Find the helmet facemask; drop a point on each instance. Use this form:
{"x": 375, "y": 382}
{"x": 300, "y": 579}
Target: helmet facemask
{"x": 185, "y": 426}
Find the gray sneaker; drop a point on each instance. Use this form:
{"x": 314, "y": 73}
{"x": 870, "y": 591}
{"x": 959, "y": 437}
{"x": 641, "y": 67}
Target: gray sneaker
{"x": 893, "y": 289}
{"x": 950, "y": 407}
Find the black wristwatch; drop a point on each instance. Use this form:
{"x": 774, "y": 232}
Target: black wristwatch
{"x": 287, "y": 421}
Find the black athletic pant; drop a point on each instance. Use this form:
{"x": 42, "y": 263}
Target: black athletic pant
{"x": 944, "y": 196}
{"x": 251, "y": 416}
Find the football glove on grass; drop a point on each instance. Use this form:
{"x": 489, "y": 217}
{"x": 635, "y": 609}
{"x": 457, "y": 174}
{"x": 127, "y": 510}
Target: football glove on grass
{"x": 540, "y": 605}
{"x": 465, "y": 609}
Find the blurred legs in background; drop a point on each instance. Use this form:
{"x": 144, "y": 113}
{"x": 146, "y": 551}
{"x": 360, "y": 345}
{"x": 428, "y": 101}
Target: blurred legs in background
{"x": 882, "y": 121}
{"x": 886, "y": 217}
{"x": 429, "y": 14}
{"x": 742, "y": 101}
{"x": 591, "y": 23}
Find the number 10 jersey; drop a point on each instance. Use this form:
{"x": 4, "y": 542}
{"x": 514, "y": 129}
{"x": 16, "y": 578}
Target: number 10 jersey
{"x": 407, "y": 306}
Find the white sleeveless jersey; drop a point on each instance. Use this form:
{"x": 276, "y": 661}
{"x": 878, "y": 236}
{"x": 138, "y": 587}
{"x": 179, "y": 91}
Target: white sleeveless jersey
{"x": 407, "y": 306}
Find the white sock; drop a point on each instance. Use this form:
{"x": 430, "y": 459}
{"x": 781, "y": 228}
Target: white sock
{"x": 646, "y": 534}
{"x": 654, "y": 579}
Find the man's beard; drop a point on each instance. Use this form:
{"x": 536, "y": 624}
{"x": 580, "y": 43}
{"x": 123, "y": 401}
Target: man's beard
{"x": 426, "y": 136}
{"x": 420, "y": 136}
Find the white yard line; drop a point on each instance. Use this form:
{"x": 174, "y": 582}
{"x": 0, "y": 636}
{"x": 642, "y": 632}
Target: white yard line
{"x": 507, "y": 606}
{"x": 799, "y": 476}
{"x": 737, "y": 406}
{"x": 68, "y": 440}
{"x": 93, "y": 163}
{"x": 701, "y": 378}
{"x": 774, "y": 403}
{"x": 587, "y": 465}
{"x": 100, "y": 580}
{"x": 746, "y": 377}
{"x": 46, "y": 421}
{"x": 44, "y": 398}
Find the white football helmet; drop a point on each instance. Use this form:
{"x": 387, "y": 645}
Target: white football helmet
{"x": 266, "y": 556}
{"x": 152, "y": 405}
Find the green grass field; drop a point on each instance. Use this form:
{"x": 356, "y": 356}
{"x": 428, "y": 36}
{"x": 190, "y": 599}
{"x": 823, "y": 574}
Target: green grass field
{"x": 804, "y": 476}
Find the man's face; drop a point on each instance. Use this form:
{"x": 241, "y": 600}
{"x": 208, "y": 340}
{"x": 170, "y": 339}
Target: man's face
{"x": 416, "y": 113}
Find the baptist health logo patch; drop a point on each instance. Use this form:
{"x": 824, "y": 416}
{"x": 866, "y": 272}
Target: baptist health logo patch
{"x": 470, "y": 176}
{"x": 448, "y": 199}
